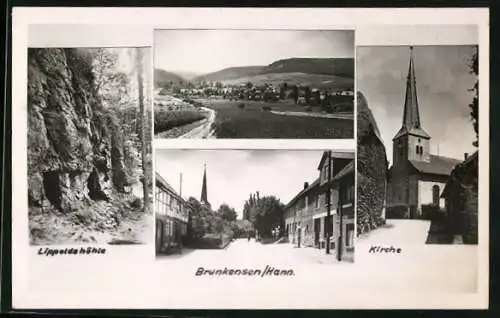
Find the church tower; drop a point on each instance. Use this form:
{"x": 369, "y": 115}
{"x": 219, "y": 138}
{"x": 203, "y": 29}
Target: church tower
{"x": 411, "y": 142}
{"x": 204, "y": 196}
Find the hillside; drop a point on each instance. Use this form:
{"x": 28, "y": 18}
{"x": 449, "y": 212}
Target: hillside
{"x": 336, "y": 67}
{"x": 231, "y": 73}
{"x": 314, "y": 80}
{"x": 162, "y": 78}
{"x": 343, "y": 67}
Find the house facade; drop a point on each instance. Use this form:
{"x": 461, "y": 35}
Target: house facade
{"x": 171, "y": 213}
{"x": 306, "y": 215}
{"x": 416, "y": 177}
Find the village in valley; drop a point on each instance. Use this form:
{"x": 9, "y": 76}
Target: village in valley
{"x": 315, "y": 225}
{"x": 310, "y": 95}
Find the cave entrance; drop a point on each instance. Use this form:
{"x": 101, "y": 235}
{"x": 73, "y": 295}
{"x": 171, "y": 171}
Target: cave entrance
{"x": 52, "y": 188}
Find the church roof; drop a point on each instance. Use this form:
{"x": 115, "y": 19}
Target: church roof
{"x": 411, "y": 117}
{"x": 439, "y": 165}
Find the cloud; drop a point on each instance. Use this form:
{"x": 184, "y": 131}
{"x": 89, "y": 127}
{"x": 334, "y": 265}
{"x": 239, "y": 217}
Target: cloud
{"x": 203, "y": 51}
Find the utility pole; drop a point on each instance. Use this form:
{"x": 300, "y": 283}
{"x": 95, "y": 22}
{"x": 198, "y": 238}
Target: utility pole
{"x": 180, "y": 185}
{"x": 340, "y": 212}
{"x": 328, "y": 202}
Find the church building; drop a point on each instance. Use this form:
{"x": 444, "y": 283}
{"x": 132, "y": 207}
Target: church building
{"x": 416, "y": 177}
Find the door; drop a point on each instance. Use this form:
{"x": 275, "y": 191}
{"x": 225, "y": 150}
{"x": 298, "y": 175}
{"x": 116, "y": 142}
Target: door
{"x": 159, "y": 235}
{"x": 317, "y": 230}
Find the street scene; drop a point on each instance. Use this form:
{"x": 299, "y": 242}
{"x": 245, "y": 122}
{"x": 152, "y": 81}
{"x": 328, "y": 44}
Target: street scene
{"x": 253, "y": 84}
{"x": 218, "y": 211}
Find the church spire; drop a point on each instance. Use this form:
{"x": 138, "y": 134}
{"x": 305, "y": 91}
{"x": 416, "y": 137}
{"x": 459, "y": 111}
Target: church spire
{"x": 204, "y": 198}
{"x": 411, "y": 116}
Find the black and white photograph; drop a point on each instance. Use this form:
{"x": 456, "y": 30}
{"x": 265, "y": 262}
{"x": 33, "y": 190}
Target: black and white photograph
{"x": 254, "y": 84}
{"x": 292, "y": 206}
{"x": 418, "y": 157}
{"x": 89, "y": 145}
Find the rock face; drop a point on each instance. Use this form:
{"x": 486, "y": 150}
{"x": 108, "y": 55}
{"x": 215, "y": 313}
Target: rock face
{"x": 75, "y": 151}
{"x": 372, "y": 171}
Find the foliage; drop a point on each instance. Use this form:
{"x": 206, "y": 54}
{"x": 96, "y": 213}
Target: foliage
{"x": 227, "y": 213}
{"x": 165, "y": 119}
{"x": 203, "y": 221}
{"x": 474, "y": 112}
{"x": 397, "y": 212}
{"x": 266, "y": 213}
{"x": 432, "y": 212}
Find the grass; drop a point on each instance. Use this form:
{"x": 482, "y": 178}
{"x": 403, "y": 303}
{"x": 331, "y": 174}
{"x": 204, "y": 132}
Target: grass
{"x": 254, "y": 122}
{"x": 166, "y": 119}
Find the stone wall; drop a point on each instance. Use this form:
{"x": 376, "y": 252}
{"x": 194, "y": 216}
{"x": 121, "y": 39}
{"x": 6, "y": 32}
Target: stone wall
{"x": 75, "y": 150}
{"x": 372, "y": 171}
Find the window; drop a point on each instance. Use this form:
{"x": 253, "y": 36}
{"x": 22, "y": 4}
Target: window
{"x": 435, "y": 195}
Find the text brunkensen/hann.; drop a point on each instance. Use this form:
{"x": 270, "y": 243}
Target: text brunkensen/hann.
{"x": 267, "y": 271}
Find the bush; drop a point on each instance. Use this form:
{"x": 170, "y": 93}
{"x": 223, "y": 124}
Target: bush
{"x": 266, "y": 108}
{"x": 136, "y": 203}
{"x": 397, "y": 212}
{"x": 432, "y": 212}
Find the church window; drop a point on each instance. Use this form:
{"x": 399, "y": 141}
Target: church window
{"x": 435, "y": 195}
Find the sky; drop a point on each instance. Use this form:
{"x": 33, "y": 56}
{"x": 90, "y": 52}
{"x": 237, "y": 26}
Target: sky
{"x": 442, "y": 79}
{"x": 205, "y": 51}
{"x": 233, "y": 174}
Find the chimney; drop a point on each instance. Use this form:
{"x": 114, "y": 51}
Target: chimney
{"x": 306, "y": 185}
{"x": 466, "y": 155}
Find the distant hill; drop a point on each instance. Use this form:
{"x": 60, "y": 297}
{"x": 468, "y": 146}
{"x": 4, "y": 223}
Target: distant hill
{"x": 318, "y": 72}
{"x": 162, "y": 78}
{"x": 343, "y": 67}
{"x": 186, "y": 75}
{"x": 314, "y": 80}
{"x": 231, "y": 73}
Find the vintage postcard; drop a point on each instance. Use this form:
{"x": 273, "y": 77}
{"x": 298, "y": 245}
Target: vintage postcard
{"x": 250, "y": 158}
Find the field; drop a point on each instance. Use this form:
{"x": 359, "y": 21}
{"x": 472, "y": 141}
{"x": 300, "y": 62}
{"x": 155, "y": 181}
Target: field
{"x": 174, "y": 116}
{"x": 255, "y": 120}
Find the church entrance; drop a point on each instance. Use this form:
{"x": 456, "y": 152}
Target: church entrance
{"x": 413, "y": 212}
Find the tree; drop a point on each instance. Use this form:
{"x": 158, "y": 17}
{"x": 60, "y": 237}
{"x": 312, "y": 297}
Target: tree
{"x": 227, "y": 213}
{"x": 265, "y": 213}
{"x": 307, "y": 93}
{"x": 198, "y": 219}
{"x": 474, "y": 111}
{"x": 295, "y": 93}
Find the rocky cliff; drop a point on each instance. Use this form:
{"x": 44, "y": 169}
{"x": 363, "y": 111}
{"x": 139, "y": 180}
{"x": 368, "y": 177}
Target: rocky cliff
{"x": 75, "y": 148}
{"x": 372, "y": 171}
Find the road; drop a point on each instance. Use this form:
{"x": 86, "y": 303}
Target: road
{"x": 204, "y": 130}
{"x": 242, "y": 251}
